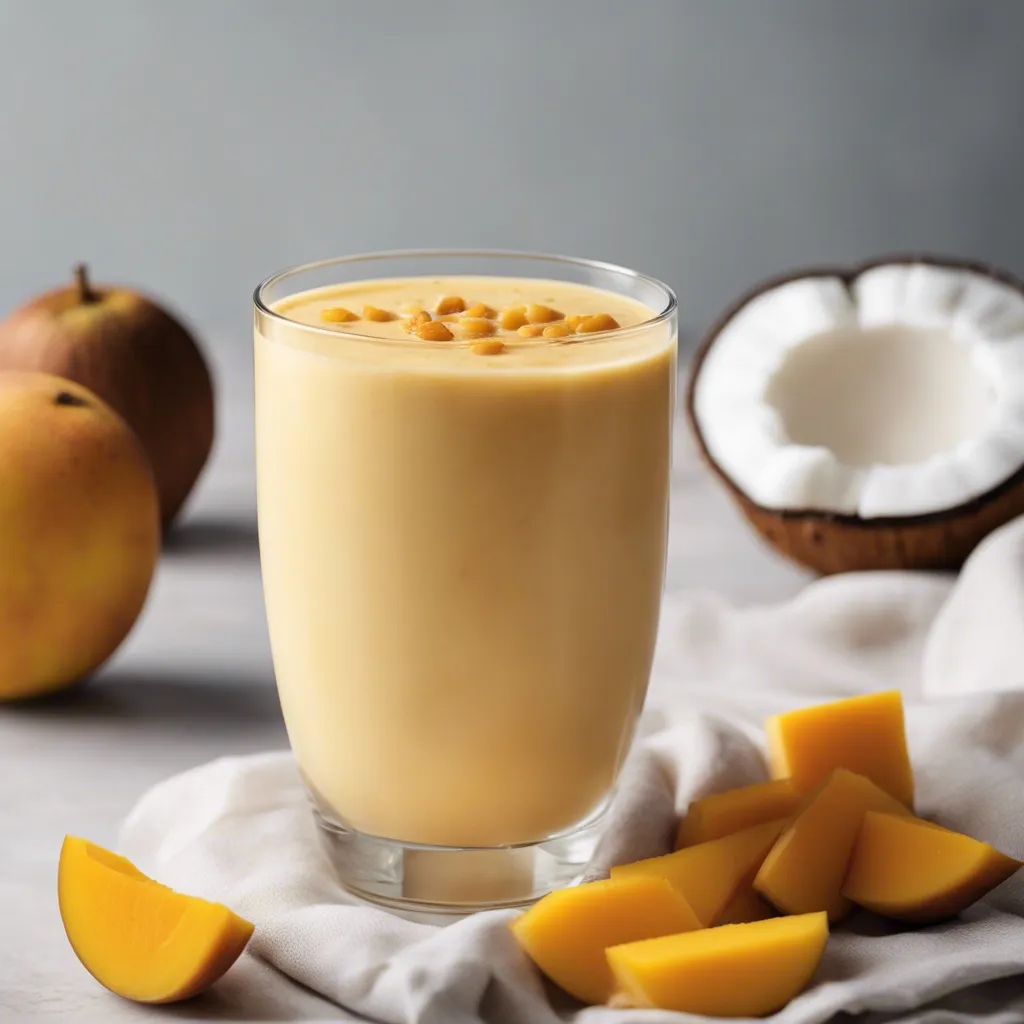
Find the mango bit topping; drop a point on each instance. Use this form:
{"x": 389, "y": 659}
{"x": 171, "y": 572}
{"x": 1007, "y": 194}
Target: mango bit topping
{"x": 597, "y": 322}
{"x": 558, "y": 330}
{"x": 450, "y": 304}
{"x": 337, "y": 315}
{"x": 513, "y": 318}
{"x": 434, "y": 330}
{"x": 477, "y": 320}
{"x": 538, "y": 314}
{"x": 416, "y": 319}
{"x": 135, "y": 936}
{"x": 476, "y": 327}
{"x": 490, "y": 347}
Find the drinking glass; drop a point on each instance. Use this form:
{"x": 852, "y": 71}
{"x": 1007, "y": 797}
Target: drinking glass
{"x": 462, "y": 564}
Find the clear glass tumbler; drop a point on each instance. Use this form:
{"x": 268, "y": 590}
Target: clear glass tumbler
{"x": 462, "y": 561}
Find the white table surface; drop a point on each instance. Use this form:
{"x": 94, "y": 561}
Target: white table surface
{"x": 194, "y": 681}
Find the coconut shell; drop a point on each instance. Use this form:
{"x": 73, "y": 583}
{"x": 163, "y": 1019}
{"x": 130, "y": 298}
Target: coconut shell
{"x": 139, "y": 359}
{"x": 827, "y": 542}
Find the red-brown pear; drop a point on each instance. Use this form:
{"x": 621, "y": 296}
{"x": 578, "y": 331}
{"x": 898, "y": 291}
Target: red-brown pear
{"x": 136, "y": 357}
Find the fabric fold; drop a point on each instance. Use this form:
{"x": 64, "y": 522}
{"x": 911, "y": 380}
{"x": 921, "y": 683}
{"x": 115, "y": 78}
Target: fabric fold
{"x": 239, "y": 829}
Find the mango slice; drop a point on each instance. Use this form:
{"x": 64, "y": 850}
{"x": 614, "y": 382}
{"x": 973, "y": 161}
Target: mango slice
{"x": 711, "y": 874}
{"x": 805, "y": 869}
{"x": 739, "y": 970}
{"x": 136, "y": 937}
{"x": 567, "y": 932}
{"x": 862, "y": 734}
{"x": 721, "y": 814}
{"x": 912, "y": 870}
{"x": 746, "y": 906}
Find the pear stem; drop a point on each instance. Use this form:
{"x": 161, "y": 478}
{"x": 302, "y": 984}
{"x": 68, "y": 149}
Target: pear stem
{"x": 85, "y": 291}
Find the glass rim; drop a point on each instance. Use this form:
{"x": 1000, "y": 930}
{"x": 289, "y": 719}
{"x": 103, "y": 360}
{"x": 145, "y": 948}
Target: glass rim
{"x": 669, "y": 310}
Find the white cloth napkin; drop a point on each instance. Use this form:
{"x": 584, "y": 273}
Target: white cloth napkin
{"x": 238, "y": 830}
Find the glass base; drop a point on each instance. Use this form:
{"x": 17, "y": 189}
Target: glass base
{"x": 425, "y": 882}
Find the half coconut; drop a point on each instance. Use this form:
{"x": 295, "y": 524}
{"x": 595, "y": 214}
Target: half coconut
{"x": 869, "y": 418}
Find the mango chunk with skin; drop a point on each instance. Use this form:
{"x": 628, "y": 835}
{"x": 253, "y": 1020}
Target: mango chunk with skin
{"x": 710, "y": 874}
{"x": 739, "y": 970}
{"x": 911, "y": 870}
{"x": 566, "y": 932}
{"x": 805, "y": 870}
{"x": 138, "y": 938}
{"x": 862, "y": 734}
{"x": 721, "y": 814}
{"x": 746, "y": 906}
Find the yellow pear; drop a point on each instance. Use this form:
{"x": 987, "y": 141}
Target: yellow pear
{"x": 79, "y": 532}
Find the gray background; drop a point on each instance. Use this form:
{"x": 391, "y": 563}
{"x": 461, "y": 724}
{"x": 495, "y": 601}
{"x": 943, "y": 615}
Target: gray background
{"x": 194, "y": 147}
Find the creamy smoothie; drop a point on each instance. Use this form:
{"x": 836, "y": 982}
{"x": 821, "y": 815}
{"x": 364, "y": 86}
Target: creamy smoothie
{"x": 462, "y": 534}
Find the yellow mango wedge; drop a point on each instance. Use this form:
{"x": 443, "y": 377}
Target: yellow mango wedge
{"x": 138, "y": 938}
{"x": 746, "y": 906}
{"x": 721, "y": 814}
{"x": 711, "y": 874}
{"x": 738, "y": 970}
{"x": 911, "y": 870}
{"x": 567, "y": 932}
{"x": 805, "y": 869}
{"x": 862, "y": 734}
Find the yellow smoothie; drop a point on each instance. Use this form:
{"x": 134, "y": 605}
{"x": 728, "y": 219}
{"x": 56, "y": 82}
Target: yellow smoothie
{"x": 463, "y": 545}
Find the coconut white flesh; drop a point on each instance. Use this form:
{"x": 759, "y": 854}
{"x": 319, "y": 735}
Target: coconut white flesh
{"x": 900, "y": 395}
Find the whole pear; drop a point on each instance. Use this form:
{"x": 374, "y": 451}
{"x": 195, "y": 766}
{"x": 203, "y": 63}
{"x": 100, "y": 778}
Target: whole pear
{"x": 137, "y": 357}
{"x": 79, "y": 532}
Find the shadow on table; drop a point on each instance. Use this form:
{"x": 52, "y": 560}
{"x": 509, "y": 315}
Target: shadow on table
{"x": 253, "y": 990}
{"x": 213, "y": 535}
{"x": 161, "y": 698}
